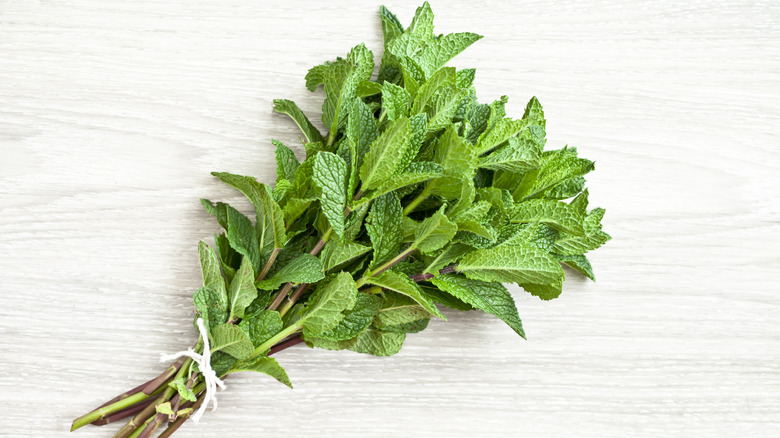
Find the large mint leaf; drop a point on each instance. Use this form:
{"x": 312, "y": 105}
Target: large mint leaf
{"x": 569, "y": 244}
{"x": 384, "y": 155}
{"x": 398, "y": 309}
{"x": 547, "y": 291}
{"x": 340, "y": 81}
{"x": 330, "y": 176}
{"x": 489, "y": 297}
{"x": 231, "y": 340}
{"x": 415, "y": 173}
{"x": 335, "y": 253}
{"x": 303, "y": 269}
{"x": 242, "y": 237}
{"x": 510, "y": 263}
{"x": 261, "y": 326}
{"x": 459, "y": 161}
{"x": 500, "y": 133}
{"x": 385, "y": 227}
{"x": 286, "y": 163}
{"x": 378, "y": 343}
{"x": 209, "y": 266}
{"x": 557, "y": 214}
{"x": 325, "y": 307}
{"x": 211, "y": 306}
{"x": 356, "y": 320}
{"x": 289, "y": 107}
{"x": 434, "y": 233}
{"x": 557, "y": 168}
{"x": 395, "y": 101}
{"x": 265, "y": 365}
{"x": 578, "y": 262}
{"x": 518, "y": 156}
{"x": 242, "y": 290}
{"x": 404, "y": 285}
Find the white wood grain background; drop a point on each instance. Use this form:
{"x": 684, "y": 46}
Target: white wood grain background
{"x": 113, "y": 113}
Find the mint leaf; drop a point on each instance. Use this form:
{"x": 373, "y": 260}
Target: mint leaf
{"x": 507, "y": 263}
{"x": 399, "y": 309}
{"x": 289, "y": 107}
{"x": 355, "y": 320}
{"x": 340, "y": 80}
{"x": 434, "y": 233}
{"x": 286, "y": 163}
{"x": 326, "y": 304}
{"x": 261, "y": 326}
{"x": 243, "y": 238}
{"x": 330, "y": 176}
{"x": 569, "y": 244}
{"x": 335, "y": 254}
{"x": 242, "y": 290}
{"x": 489, "y": 297}
{"x": 501, "y": 132}
{"x": 264, "y": 365}
{"x": 384, "y": 226}
{"x": 211, "y": 305}
{"x": 232, "y": 340}
{"x": 578, "y": 262}
{"x": 415, "y": 173}
{"x": 378, "y": 343}
{"x": 557, "y": 214}
{"x": 385, "y": 154}
{"x": 403, "y": 285}
{"x": 517, "y": 156}
{"x": 395, "y": 101}
{"x": 547, "y": 291}
{"x": 209, "y": 266}
{"x": 303, "y": 269}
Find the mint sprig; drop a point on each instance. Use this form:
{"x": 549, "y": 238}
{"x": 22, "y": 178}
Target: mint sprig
{"x": 418, "y": 197}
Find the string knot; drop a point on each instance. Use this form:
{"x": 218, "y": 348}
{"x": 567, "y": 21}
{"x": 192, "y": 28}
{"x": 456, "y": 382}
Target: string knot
{"x": 204, "y": 364}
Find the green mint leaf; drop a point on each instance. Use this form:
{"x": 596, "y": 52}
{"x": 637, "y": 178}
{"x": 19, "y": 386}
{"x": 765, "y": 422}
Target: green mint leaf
{"x": 378, "y": 343}
{"x": 209, "y": 267}
{"x": 391, "y": 26}
{"x": 289, "y": 107}
{"x": 242, "y": 237}
{"x": 242, "y": 290}
{"x": 355, "y": 320}
{"x": 404, "y": 285}
{"x": 422, "y": 23}
{"x": 410, "y": 327}
{"x": 443, "y": 79}
{"x": 211, "y": 306}
{"x": 459, "y": 161}
{"x": 395, "y": 101}
{"x": 327, "y": 344}
{"x": 340, "y": 82}
{"x": 164, "y": 408}
{"x": 231, "y": 340}
{"x": 489, "y": 297}
{"x": 578, "y": 262}
{"x": 384, "y": 225}
{"x": 546, "y": 292}
{"x": 330, "y": 176}
{"x": 181, "y": 387}
{"x": 569, "y": 244}
{"x": 398, "y": 309}
{"x": 517, "y": 156}
{"x": 450, "y": 255}
{"x": 510, "y": 263}
{"x": 362, "y": 130}
{"x": 218, "y": 210}
{"x": 264, "y": 365}
{"x": 415, "y": 173}
{"x": 464, "y": 78}
{"x": 434, "y": 233}
{"x": 261, "y": 326}
{"x": 303, "y": 269}
{"x": 385, "y": 154}
{"x": 367, "y": 88}
{"x": 557, "y": 167}
{"x": 286, "y": 163}
{"x": 326, "y": 304}
{"x": 335, "y": 254}
{"x": 557, "y": 214}
{"x": 504, "y": 129}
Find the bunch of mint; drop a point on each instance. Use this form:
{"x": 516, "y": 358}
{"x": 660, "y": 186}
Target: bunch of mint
{"x": 418, "y": 196}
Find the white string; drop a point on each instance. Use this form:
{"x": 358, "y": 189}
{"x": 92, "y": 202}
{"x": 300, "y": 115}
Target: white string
{"x": 204, "y": 363}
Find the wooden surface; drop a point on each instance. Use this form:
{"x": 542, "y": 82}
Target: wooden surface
{"x": 113, "y": 113}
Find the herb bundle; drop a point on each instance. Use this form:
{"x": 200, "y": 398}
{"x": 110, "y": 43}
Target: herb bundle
{"x": 418, "y": 196}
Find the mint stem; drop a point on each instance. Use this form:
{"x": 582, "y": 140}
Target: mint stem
{"x": 427, "y": 276}
{"x": 124, "y": 413}
{"x": 268, "y": 264}
{"x": 162, "y": 378}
